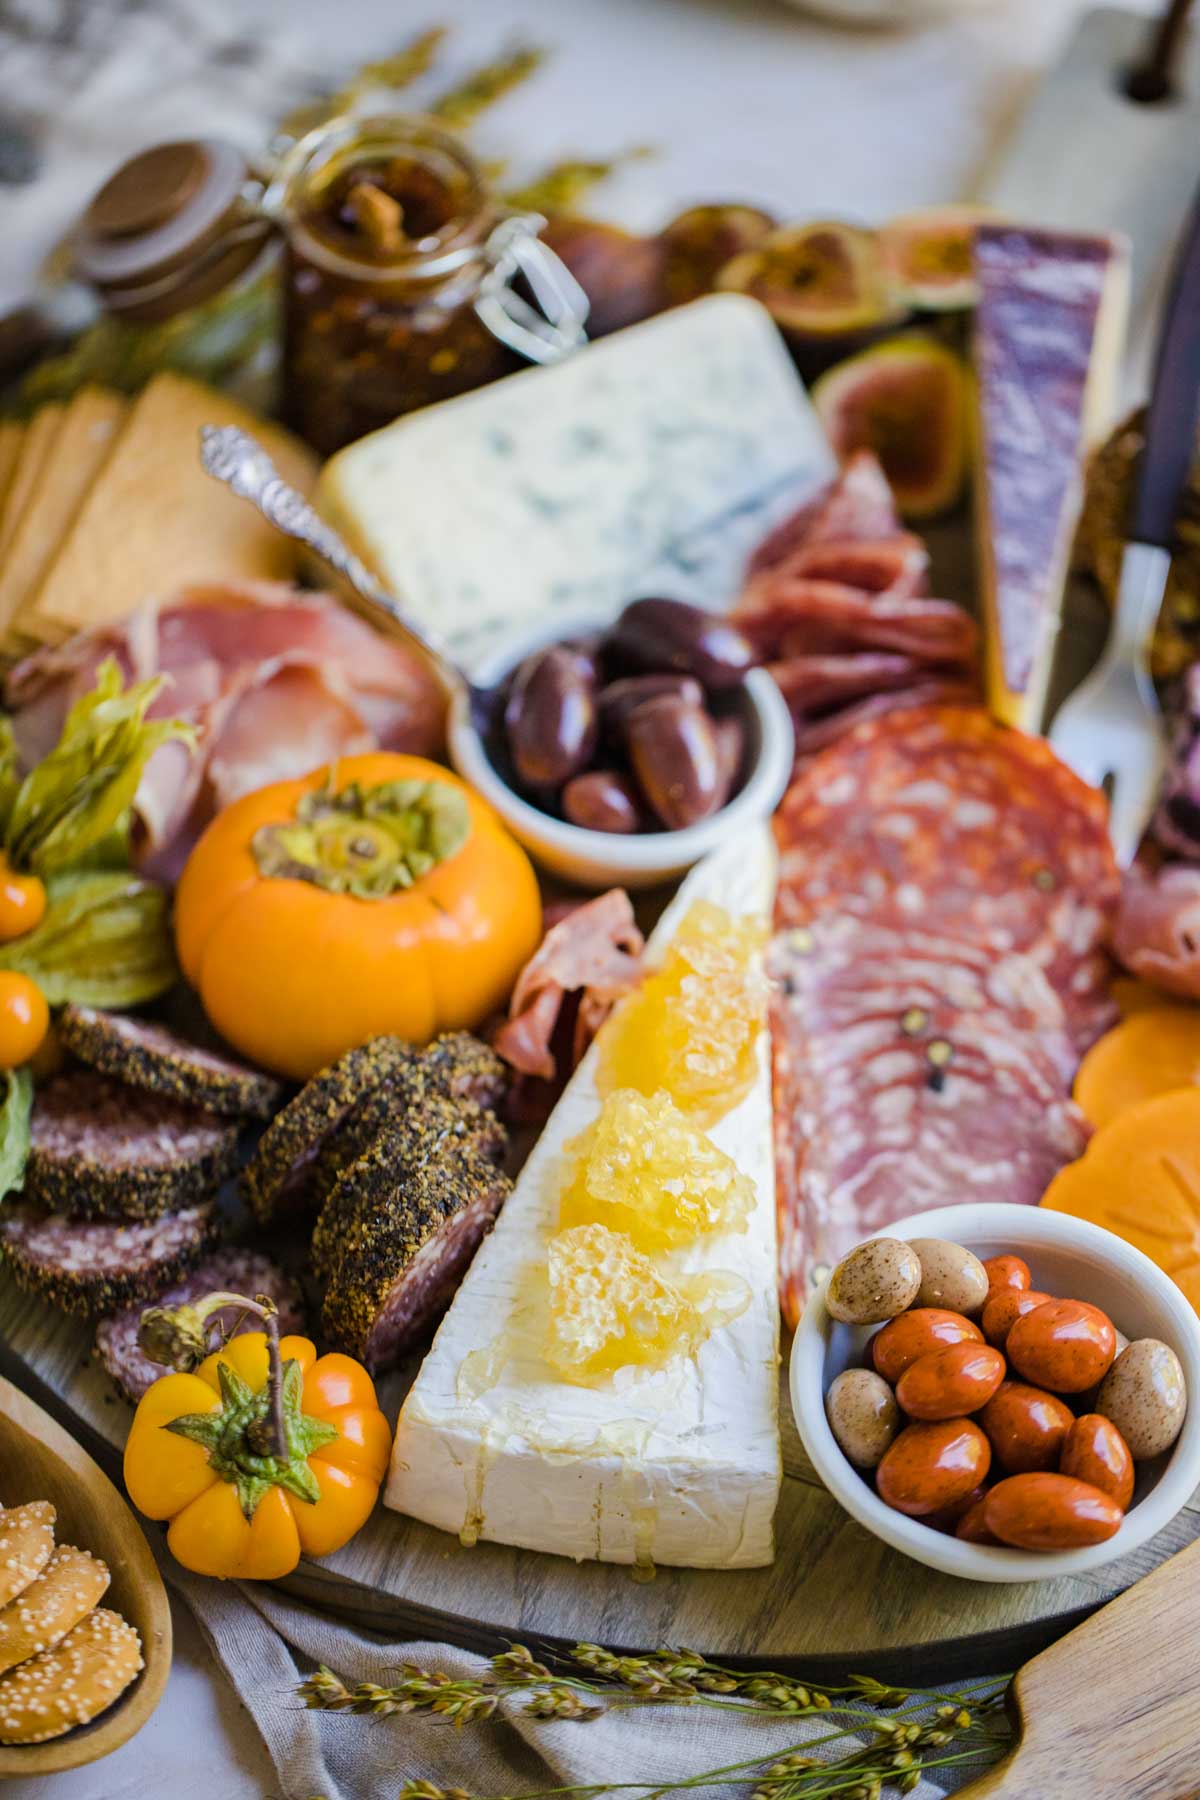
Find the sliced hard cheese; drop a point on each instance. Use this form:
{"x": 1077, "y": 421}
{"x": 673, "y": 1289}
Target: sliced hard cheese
{"x": 675, "y": 1466}
{"x": 80, "y": 446}
{"x": 153, "y": 521}
{"x": 1049, "y": 333}
{"x": 653, "y": 461}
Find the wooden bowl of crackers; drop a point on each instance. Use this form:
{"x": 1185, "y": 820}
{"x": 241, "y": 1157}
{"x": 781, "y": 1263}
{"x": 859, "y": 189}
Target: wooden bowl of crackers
{"x": 55, "y": 1496}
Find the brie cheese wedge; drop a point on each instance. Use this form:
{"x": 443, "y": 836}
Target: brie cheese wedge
{"x": 676, "y": 1465}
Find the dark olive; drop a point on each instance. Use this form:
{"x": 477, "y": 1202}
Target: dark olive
{"x": 551, "y": 717}
{"x": 673, "y": 748}
{"x": 602, "y": 800}
{"x": 619, "y": 698}
{"x": 656, "y": 635}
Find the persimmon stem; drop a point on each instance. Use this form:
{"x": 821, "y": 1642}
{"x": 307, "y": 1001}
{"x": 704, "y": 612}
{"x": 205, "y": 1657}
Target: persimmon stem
{"x": 275, "y": 1381}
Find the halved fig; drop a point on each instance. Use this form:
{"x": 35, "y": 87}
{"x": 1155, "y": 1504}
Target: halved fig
{"x": 621, "y": 274}
{"x": 700, "y": 241}
{"x": 906, "y": 401}
{"x": 817, "y": 281}
{"x": 927, "y": 257}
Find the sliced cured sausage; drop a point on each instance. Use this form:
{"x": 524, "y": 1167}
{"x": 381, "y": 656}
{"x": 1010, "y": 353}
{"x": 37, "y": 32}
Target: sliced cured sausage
{"x": 101, "y": 1150}
{"x": 857, "y": 503}
{"x": 288, "y": 1174}
{"x": 1157, "y": 931}
{"x": 90, "y": 1268}
{"x": 946, "y": 886}
{"x": 593, "y": 951}
{"x": 403, "y": 1223}
{"x": 147, "y": 1055}
{"x": 225, "y": 1271}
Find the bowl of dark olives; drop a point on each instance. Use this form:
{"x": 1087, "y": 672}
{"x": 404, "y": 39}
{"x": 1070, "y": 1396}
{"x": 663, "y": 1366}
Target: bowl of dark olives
{"x": 622, "y": 753}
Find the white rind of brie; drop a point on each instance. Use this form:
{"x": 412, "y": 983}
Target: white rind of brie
{"x": 678, "y": 1465}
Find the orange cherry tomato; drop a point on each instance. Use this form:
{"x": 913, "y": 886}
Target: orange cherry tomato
{"x": 950, "y": 1382}
{"x": 1095, "y": 1451}
{"x": 1050, "y": 1512}
{"x": 1007, "y": 1272}
{"x": 1026, "y": 1427}
{"x": 1003, "y": 1307}
{"x": 1063, "y": 1345}
{"x": 22, "y": 902}
{"x": 930, "y": 1466}
{"x": 914, "y": 1333}
{"x": 24, "y": 1019}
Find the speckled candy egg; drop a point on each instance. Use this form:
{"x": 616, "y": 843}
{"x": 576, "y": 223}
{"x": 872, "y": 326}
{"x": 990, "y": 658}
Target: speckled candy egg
{"x": 874, "y": 1281}
{"x": 951, "y": 1276}
{"x": 1145, "y": 1396}
{"x": 863, "y": 1416}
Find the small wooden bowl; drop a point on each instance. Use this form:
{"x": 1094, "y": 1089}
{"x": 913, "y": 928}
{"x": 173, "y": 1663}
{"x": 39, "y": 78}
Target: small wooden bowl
{"x": 40, "y": 1461}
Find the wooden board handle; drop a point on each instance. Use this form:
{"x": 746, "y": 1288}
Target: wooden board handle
{"x": 1174, "y": 401}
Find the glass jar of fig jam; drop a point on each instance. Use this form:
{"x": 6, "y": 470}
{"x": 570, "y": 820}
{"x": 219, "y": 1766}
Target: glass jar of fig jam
{"x": 396, "y": 275}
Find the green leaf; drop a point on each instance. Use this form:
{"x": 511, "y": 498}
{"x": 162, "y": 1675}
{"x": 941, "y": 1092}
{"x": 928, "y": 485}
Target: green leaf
{"x": 105, "y": 941}
{"x": 83, "y": 791}
{"x": 14, "y": 1128}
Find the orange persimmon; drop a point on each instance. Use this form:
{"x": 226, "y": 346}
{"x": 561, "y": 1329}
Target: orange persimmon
{"x": 1140, "y": 1178}
{"x": 1148, "y": 1053}
{"x": 380, "y": 895}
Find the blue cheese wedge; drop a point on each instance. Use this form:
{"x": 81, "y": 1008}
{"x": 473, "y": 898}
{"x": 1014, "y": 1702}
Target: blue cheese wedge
{"x": 677, "y": 1465}
{"x": 652, "y": 461}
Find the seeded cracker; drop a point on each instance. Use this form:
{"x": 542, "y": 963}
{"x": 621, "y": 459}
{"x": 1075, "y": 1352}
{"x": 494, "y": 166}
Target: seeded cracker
{"x": 72, "y": 1683}
{"x": 26, "y": 1545}
{"x": 71, "y": 1583}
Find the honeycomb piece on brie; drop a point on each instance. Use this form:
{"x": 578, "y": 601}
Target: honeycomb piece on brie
{"x": 691, "y": 1030}
{"x": 611, "y": 1309}
{"x": 643, "y": 1168}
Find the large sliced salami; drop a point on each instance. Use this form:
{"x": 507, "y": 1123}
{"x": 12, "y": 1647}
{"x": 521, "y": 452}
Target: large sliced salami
{"x": 226, "y": 1271}
{"x": 945, "y": 889}
{"x": 95, "y": 1268}
{"x": 101, "y": 1150}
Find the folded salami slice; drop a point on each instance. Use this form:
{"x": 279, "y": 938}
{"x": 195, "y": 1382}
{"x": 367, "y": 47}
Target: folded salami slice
{"x": 146, "y": 1055}
{"x": 857, "y": 504}
{"x": 1157, "y": 932}
{"x": 946, "y": 886}
{"x": 228, "y": 1270}
{"x": 101, "y": 1150}
{"x": 90, "y": 1268}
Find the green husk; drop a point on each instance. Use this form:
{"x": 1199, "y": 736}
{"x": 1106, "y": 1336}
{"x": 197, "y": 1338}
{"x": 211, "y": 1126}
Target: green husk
{"x": 15, "y": 1108}
{"x": 72, "y": 802}
{"x": 105, "y": 941}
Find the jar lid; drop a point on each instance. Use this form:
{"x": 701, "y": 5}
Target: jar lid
{"x": 169, "y": 227}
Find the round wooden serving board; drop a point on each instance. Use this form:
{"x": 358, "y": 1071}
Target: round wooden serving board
{"x": 834, "y": 1600}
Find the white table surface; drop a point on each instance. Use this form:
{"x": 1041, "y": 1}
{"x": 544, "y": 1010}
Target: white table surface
{"x": 742, "y": 99}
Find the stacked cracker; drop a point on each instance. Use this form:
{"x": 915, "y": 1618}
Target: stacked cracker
{"x": 104, "y": 505}
{"x": 64, "y": 1659}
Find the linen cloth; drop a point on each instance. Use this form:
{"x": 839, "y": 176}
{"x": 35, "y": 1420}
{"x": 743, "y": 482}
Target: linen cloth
{"x": 744, "y": 98}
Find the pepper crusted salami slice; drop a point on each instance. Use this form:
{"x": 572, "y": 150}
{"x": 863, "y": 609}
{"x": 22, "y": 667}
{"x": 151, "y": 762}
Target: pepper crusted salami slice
{"x": 320, "y": 1131}
{"x": 427, "y": 1130}
{"x": 228, "y": 1270}
{"x": 95, "y": 1268}
{"x": 146, "y": 1055}
{"x": 411, "y": 1218}
{"x": 101, "y": 1150}
{"x": 274, "y": 1180}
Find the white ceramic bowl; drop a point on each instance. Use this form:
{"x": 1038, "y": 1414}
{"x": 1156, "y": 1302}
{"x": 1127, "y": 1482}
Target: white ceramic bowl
{"x": 1069, "y": 1258}
{"x": 602, "y": 859}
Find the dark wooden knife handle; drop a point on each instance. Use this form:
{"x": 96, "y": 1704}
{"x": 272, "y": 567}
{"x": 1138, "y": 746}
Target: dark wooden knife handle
{"x": 1174, "y": 400}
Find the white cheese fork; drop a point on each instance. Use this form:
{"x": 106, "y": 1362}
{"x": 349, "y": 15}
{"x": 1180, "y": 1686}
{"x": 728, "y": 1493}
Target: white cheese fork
{"x": 1110, "y": 729}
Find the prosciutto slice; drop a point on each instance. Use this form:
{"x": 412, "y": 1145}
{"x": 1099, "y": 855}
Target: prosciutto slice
{"x": 592, "y": 954}
{"x": 275, "y": 682}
